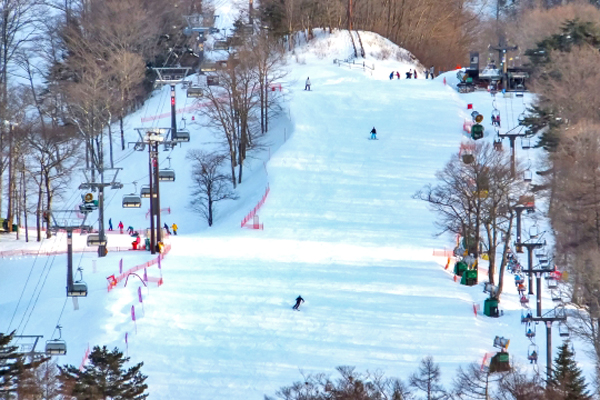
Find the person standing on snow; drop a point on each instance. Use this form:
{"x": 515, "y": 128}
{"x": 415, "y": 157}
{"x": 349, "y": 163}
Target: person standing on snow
{"x": 121, "y": 226}
{"x": 299, "y": 300}
{"x": 409, "y": 74}
{"x": 110, "y": 228}
{"x": 307, "y": 84}
{"x": 431, "y": 72}
{"x": 174, "y": 227}
{"x": 391, "y": 75}
{"x": 415, "y": 74}
{"x": 373, "y": 133}
{"x": 166, "y": 227}
{"x": 397, "y": 74}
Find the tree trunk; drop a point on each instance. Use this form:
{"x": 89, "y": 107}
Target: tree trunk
{"x": 122, "y": 132}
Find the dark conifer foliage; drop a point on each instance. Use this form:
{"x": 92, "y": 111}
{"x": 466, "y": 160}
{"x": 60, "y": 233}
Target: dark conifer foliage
{"x": 104, "y": 377}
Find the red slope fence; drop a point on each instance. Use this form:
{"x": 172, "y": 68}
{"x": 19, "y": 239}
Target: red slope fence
{"x": 252, "y": 213}
{"x": 112, "y": 283}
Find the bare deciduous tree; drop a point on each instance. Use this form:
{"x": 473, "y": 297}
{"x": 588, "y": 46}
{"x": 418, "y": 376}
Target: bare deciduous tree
{"x": 210, "y": 185}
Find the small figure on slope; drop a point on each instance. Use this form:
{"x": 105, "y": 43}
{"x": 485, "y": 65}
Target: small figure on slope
{"x": 120, "y": 226}
{"x": 307, "y": 84}
{"x": 110, "y": 227}
{"x": 299, "y": 300}
{"x": 166, "y": 227}
{"x": 391, "y": 75}
{"x": 174, "y": 227}
{"x": 373, "y": 133}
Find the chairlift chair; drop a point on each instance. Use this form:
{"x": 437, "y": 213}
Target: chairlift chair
{"x": 525, "y": 317}
{"x": 181, "y": 135}
{"x": 527, "y": 175}
{"x": 166, "y": 175}
{"x": 532, "y": 353}
{"x": 477, "y": 131}
{"x": 145, "y": 191}
{"x": 132, "y": 200}
{"x": 563, "y": 330}
{"x": 194, "y": 91}
{"x": 533, "y": 231}
{"x": 524, "y": 301}
{"x": 525, "y": 143}
{"x": 555, "y": 295}
{"x": 78, "y": 289}
{"x": 56, "y": 347}
{"x": 552, "y": 284}
{"x": 529, "y": 332}
{"x": 94, "y": 240}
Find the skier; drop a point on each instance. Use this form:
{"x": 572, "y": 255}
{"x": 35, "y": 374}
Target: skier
{"x": 431, "y": 71}
{"x": 130, "y": 230}
{"x": 110, "y": 228}
{"x": 120, "y": 226}
{"x": 391, "y": 75}
{"x": 397, "y": 74}
{"x": 426, "y": 74}
{"x": 174, "y": 227}
{"x": 373, "y": 133}
{"x": 307, "y": 84}
{"x": 299, "y": 300}
{"x": 409, "y": 74}
{"x": 167, "y": 228}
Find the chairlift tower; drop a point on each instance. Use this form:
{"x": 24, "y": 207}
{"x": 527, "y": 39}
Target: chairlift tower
{"x": 29, "y": 348}
{"x": 559, "y": 316}
{"x": 530, "y": 247}
{"x": 512, "y": 137}
{"x": 171, "y": 76}
{"x": 93, "y": 184}
{"x": 153, "y": 137}
{"x": 70, "y": 220}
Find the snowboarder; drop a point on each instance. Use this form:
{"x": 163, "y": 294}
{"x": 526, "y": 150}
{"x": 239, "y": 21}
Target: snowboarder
{"x": 307, "y": 84}
{"x": 174, "y": 227}
{"x": 391, "y": 75}
{"x": 120, "y": 226}
{"x": 167, "y": 228}
{"x": 110, "y": 228}
{"x": 426, "y": 74}
{"x": 409, "y": 74}
{"x": 431, "y": 71}
{"x": 130, "y": 230}
{"x": 299, "y": 300}
{"x": 373, "y": 133}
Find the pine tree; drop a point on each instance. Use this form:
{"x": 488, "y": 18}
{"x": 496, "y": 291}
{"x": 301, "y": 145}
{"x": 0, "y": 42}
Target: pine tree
{"x": 104, "y": 378}
{"x": 12, "y": 366}
{"x": 567, "y": 381}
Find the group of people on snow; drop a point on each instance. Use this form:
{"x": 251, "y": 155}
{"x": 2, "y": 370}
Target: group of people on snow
{"x": 131, "y": 230}
{"x": 410, "y": 74}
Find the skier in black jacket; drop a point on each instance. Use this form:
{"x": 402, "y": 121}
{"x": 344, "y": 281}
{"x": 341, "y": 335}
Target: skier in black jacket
{"x": 299, "y": 300}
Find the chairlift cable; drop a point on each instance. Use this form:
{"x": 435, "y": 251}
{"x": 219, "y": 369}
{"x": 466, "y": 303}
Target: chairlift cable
{"x": 25, "y": 286}
{"x": 59, "y": 317}
{"x": 39, "y": 292}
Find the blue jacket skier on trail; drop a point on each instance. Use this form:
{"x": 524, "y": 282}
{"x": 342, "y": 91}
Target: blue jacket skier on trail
{"x": 373, "y": 133}
{"x": 299, "y": 300}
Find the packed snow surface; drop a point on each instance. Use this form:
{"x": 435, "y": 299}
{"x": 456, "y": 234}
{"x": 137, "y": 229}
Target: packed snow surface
{"x": 341, "y": 228}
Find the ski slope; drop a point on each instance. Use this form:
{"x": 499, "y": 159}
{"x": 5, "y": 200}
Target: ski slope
{"x": 340, "y": 228}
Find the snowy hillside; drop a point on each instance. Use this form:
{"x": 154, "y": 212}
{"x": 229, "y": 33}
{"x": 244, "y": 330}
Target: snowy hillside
{"x": 340, "y": 228}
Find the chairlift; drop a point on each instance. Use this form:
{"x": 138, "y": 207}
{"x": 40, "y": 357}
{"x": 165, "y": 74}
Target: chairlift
{"x": 221, "y": 45}
{"x": 498, "y": 145}
{"x": 529, "y": 332}
{"x": 524, "y": 301}
{"x": 181, "y": 135}
{"x": 527, "y": 175}
{"x": 94, "y": 240}
{"x": 560, "y": 313}
{"x": 563, "y": 330}
{"x": 212, "y": 80}
{"x": 532, "y": 353}
{"x": 525, "y": 143}
{"x": 533, "y": 231}
{"x": 552, "y": 284}
{"x": 56, "y": 347}
{"x": 496, "y": 118}
{"x": 166, "y": 175}
{"x": 194, "y": 91}
{"x": 132, "y": 200}
{"x": 555, "y": 295}
{"x": 145, "y": 191}
{"x": 78, "y": 289}
{"x": 526, "y": 318}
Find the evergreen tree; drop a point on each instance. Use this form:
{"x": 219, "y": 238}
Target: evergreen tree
{"x": 543, "y": 120}
{"x": 567, "y": 381}
{"x": 104, "y": 378}
{"x": 12, "y": 366}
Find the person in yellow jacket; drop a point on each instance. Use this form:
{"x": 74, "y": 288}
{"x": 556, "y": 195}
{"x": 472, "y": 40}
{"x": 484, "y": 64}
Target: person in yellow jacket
{"x": 174, "y": 228}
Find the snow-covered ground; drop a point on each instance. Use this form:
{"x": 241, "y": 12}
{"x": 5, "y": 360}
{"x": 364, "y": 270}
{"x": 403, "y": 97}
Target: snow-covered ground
{"x": 340, "y": 228}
